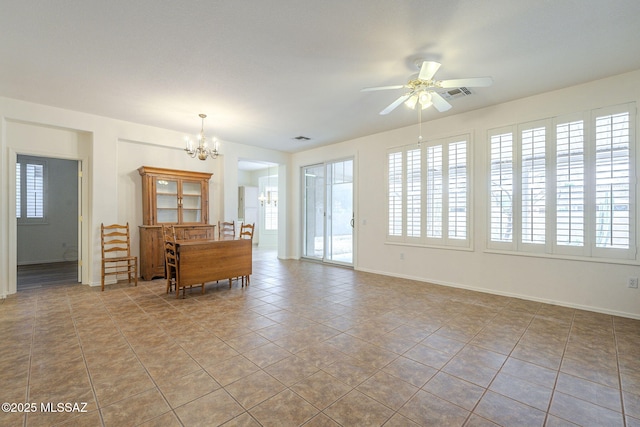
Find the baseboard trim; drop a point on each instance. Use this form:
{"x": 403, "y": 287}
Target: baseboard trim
{"x": 507, "y": 294}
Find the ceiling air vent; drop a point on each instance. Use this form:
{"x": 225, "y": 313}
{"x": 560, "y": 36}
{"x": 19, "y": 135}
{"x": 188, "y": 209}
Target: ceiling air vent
{"x": 456, "y": 93}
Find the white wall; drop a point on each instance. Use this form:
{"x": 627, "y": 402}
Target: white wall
{"x": 595, "y": 286}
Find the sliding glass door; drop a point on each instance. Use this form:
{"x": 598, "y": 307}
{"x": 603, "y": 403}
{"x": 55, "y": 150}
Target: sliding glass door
{"x": 328, "y": 212}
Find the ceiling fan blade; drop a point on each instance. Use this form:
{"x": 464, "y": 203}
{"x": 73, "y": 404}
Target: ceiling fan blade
{"x": 471, "y": 82}
{"x": 395, "y": 104}
{"x": 428, "y": 70}
{"x": 439, "y": 102}
{"x": 370, "y": 89}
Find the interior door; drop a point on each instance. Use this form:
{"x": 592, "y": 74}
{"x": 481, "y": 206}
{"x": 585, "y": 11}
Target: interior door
{"x": 328, "y": 212}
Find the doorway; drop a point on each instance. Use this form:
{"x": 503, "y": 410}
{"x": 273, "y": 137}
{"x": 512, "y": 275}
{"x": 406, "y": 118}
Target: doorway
{"x": 328, "y": 216}
{"x": 48, "y": 193}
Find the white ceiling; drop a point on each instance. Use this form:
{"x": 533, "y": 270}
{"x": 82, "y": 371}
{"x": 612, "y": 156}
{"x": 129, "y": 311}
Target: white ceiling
{"x": 268, "y": 71}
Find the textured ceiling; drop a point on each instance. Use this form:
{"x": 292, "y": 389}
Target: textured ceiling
{"x": 268, "y": 71}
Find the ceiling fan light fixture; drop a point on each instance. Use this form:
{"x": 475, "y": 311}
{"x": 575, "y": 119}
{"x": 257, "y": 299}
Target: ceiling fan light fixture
{"x": 425, "y": 99}
{"x": 425, "y": 86}
{"x": 411, "y": 102}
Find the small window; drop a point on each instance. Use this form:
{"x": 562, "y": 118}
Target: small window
{"x": 30, "y": 190}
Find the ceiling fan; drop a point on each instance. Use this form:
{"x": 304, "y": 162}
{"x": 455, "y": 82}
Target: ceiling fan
{"x": 423, "y": 88}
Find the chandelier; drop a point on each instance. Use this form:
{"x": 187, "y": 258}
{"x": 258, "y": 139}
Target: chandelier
{"x": 202, "y": 151}
{"x": 272, "y": 196}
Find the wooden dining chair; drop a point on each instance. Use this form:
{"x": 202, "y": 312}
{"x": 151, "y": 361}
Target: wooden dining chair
{"x": 170, "y": 256}
{"x": 171, "y": 262}
{"x": 115, "y": 241}
{"x": 226, "y": 230}
{"x": 246, "y": 232}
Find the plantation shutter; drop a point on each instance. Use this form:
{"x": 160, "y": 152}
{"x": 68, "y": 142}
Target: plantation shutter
{"x": 395, "y": 194}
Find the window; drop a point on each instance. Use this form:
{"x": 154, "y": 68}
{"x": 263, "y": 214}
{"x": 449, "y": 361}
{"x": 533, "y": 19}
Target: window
{"x": 269, "y": 192}
{"x": 458, "y": 190}
{"x": 533, "y": 185}
{"x": 570, "y": 188}
{"x": 414, "y": 193}
{"x": 501, "y": 187}
{"x": 613, "y": 181}
{"x": 434, "y": 191}
{"x": 428, "y": 193}
{"x": 542, "y": 198}
{"x": 30, "y": 189}
{"x": 395, "y": 194}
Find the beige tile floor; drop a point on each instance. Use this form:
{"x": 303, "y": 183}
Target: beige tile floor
{"x": 308, "y": 344}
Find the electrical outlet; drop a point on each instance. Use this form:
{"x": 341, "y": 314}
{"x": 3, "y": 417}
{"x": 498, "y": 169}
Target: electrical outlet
{"x": 633, "y": 282}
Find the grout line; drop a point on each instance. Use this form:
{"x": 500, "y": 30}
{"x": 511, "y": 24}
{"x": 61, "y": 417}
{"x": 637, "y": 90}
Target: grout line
{"x": 555, "y": 383}
{"x": 615, "y": 339}
{"x": 84, "y": 360}
{"x": 33, "y": 337}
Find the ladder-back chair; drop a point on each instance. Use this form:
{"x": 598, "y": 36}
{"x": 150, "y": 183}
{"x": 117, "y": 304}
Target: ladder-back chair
{"x": 226, "y": 230}
{"x": 170, "y": 256}
{"x": 246, "y": 232}
{"x": 171, "y": 262}
{"x": 116, "y": 253}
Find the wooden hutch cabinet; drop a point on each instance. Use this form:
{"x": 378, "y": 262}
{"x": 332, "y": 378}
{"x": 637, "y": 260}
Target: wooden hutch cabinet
{"x": 173, "y": 197}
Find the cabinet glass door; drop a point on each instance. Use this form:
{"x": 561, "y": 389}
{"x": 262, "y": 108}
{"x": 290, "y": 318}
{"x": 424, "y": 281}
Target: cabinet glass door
{"x": 167, "y": 200}
{"x": 191, "y": 201}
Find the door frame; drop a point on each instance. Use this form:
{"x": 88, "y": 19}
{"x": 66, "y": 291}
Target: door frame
{"x": 83, "y": 273}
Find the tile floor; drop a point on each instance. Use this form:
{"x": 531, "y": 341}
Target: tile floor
{"x": 307, "y": 344}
